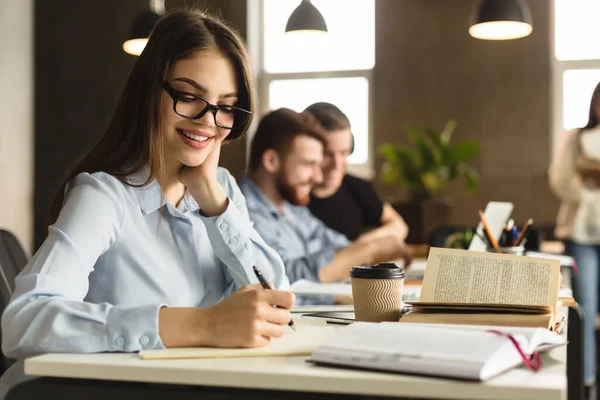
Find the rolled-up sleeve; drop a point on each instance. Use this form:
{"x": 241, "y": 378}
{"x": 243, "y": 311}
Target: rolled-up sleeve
{"x": 47, "y": 312}
{"x": 321, "y": 246}
{"x": 238, "y": 245}
{"x": 304, "y": 258}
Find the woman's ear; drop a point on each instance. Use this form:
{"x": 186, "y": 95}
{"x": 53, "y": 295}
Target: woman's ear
{"x": 271, "y": 161}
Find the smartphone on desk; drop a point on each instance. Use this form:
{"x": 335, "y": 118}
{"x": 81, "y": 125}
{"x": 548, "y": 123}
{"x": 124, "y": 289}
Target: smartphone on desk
{"x": 333, "y": 317}
{"x": 343, "y": 317}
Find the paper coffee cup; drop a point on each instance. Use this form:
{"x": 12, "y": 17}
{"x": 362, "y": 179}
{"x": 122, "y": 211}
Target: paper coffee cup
{"x": 377, "y": 292}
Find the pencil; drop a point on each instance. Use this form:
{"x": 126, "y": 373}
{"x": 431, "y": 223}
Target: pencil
{"x": 487, "y": 230}
{"x": 521, "y": 236}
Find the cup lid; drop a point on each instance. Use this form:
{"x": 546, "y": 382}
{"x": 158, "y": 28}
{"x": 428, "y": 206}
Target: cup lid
{"x": 379, "y": 271}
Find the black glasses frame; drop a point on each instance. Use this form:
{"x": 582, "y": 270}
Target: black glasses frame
{"x": 176, "y": 94}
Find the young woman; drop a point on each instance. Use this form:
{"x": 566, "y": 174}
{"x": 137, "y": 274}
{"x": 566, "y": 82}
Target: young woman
{"x": 575, "y": 178}
{"x": 151, "y": 244}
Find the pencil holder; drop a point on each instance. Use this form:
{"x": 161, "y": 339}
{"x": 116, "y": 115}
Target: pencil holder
{"x": 515, "y": 251}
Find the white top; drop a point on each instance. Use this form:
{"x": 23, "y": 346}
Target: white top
{"x": 591, "y": 143}
{"x": 579, "y": 215}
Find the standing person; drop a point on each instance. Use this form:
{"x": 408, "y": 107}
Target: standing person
{"x": 151, "y": 245}
{"x": 342, "y": 201}
{"x": 574, "y": 177}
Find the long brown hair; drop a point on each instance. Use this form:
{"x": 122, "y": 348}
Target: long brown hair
{"x": 132, "y": 139}
{"x": 593, "y": 119}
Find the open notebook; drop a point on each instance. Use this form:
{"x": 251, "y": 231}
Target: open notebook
{"x": 454, "y": 351}
{"x": 310, "y": 333}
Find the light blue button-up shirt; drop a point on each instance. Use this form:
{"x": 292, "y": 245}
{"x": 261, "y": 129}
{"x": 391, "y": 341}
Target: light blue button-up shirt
{"x": 118, "y": 253}
{"x": 303, "y": 241}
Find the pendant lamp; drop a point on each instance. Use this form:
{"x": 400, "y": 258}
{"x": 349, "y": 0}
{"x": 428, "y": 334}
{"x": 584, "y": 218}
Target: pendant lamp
{"x": 306, "y": 17}
{"x": 501, "y": 20}
{"x": 142, "y": 26}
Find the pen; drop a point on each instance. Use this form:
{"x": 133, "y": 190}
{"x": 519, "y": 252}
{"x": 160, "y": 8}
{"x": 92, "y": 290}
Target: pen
{"x": 523, "y": 232}
{"x": 265, "y": 285}
{"x": 506, "y": 239}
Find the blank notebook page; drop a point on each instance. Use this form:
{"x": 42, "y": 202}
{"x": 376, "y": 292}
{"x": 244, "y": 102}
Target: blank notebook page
{"x": 309, "y": 335}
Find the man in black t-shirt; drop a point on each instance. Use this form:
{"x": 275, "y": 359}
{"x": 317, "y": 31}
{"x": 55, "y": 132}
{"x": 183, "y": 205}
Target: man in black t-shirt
{"x": 344, "y": 202}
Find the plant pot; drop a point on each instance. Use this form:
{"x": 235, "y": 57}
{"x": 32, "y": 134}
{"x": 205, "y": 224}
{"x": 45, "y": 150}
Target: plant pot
{"x": 422, "y": 217}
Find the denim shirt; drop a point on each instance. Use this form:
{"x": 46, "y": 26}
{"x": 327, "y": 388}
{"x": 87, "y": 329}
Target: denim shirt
{"x": 304, "y": 242}
{"x": 118, "y": 253}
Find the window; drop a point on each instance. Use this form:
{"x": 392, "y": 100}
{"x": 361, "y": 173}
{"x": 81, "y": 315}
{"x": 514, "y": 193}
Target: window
{"x": 296, "y": 70}
{"x": 576, "y": 61}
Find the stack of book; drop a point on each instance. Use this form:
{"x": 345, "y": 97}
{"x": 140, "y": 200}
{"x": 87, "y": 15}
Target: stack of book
{"x": 478, "y": 288}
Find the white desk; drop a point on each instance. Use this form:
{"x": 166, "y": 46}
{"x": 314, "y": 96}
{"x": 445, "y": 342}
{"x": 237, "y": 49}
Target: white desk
{"x": 294, "y": 374}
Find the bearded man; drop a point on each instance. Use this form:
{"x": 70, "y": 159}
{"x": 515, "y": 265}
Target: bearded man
{"x": 286, "y": 157}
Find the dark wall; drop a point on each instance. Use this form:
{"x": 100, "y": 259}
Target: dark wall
{"x": 429, "y": 69}
{"x": 80, "y": 69}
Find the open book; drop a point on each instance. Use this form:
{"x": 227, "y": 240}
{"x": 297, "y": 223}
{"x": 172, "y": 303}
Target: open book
{"x": 465, "y": 287}
{"x": 455, "y": 351}
{"x": 310, "y": 333}
{"x": 498, "y": 282}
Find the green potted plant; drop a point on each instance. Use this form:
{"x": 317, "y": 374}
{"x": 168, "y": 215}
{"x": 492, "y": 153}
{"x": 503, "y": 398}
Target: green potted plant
{"x": 423, "y": 167}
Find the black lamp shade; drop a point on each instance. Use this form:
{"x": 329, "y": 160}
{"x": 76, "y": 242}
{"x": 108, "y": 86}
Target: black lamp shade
{"x": 501, "y": 20}
{"x": 142, "y": 26}
{"x": 306, "y": 17}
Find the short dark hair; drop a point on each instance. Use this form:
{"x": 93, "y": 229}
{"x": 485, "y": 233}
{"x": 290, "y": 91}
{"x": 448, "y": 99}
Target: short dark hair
{"x": 329, "y": 116}
{"x": 278, "y": 129}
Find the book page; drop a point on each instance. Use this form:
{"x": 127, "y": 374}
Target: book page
{"x": 533, "y": 335}
{"x": 462, "y": 351}
{"x": 462, "y": 276}
{"x": 310, "y": 333}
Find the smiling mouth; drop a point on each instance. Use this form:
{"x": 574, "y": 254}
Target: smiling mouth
{"x": 197, "y": 138}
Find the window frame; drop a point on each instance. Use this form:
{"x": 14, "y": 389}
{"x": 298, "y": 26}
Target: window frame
{"x": 558, "y": 68}
{"x": 263, "y": 79}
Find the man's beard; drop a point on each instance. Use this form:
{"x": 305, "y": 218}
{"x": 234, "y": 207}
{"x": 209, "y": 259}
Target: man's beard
{"x": 289, "y": 192}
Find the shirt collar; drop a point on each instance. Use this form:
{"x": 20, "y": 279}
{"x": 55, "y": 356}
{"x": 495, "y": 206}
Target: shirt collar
{"x": 151, "y": 197}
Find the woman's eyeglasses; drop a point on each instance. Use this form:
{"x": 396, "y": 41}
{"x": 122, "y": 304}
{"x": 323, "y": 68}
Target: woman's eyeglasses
{"x": 192, "y": 106}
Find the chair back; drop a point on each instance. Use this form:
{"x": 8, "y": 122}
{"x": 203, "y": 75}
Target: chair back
{"x": 12, "y": 260}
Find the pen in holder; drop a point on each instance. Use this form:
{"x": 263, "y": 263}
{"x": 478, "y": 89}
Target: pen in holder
{"x": 514, "y": 250}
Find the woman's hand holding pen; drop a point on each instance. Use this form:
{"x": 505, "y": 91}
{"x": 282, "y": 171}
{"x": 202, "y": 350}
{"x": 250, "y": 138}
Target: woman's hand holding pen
{"x": 246, "y": 318}
{"x": 201, "y": 181}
